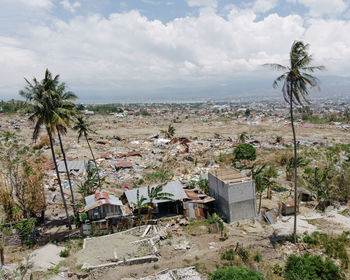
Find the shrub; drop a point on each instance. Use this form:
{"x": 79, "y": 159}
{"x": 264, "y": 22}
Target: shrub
{"x": 257, "y": 257}
{"x": 334, "y": 247}
{"x": 244, "y": 152}
{"x": 243, "y": 253}
{"x": 64, "y": 253}
{"x": 236, "y": 273}
{"x": 311, "y": 268}
{"x": 228, "y": 255}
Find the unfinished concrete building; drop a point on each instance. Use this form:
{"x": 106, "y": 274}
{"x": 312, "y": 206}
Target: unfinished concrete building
{"x": 234, "y": 194}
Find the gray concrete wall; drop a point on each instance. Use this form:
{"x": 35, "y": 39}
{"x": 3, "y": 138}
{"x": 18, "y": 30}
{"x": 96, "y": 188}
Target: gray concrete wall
{"x": 242, "y": 201}
{"x": 233, "y": 202}
{"x": 219, "y": 191}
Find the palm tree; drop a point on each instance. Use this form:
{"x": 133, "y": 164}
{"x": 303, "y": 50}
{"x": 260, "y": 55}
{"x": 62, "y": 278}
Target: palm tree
{"x": 139, "y": 205}
{"x": 156, "y": 193}
{"x": 83, "y": 129}
{"x": 67, "y": 111}
{"x": 258, "y": 177}
{"x": 43, "y": 100}
{"x": 297, "y": 83}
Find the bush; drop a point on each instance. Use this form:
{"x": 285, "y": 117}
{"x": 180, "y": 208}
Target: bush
{"x": 236, "y": 273}
{"x": 228, "y": 255}
{"x": 311, "y": 268}
{"x": 243, "y": 253}
{"x": 244, "y": 152}
{"x": 64, "y": 253}
{"x": 334, "y": 247}
{"x": 257, "y": 257}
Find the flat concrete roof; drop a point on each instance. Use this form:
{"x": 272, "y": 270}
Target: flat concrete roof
{"x": 230, "y": 176}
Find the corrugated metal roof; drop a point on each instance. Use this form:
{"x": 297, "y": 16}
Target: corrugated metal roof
{"x": 101, "y": 198}
{"x": 174, "y": 187}
{"x": 76, "y": 165}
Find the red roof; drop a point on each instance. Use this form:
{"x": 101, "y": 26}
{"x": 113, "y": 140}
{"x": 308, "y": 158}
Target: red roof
{"x": 123, "y": 164}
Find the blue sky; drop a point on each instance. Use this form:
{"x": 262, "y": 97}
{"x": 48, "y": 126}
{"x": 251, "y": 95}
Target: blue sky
{"x": 108, "y": 50}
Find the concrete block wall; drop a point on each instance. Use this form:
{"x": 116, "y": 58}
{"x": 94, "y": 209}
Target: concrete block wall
{"x": 235, "y": 201}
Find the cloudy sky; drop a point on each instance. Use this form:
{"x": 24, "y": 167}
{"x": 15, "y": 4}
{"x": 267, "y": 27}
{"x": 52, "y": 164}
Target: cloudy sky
{"x": 109, "y": 50}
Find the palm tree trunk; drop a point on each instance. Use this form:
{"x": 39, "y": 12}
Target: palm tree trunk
{"x": 295, "y": 169}
{"x": 67, "y": 172}
{"x": 260, "y": 197}
{"x": 58, "y": 178}
{"x": 93, "y": 157}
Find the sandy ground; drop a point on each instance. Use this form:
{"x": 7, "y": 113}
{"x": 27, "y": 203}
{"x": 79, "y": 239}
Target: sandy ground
{"x": 101, "y": 250}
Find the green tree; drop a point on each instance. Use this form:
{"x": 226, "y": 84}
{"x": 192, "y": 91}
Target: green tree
{"x": 83, "y": 129}
{"x": 43, "y": 100}
{"x": 244, "y": 151}
{"x": 297, "y": 83}
{"x": 139, "y": 205}
{"x": 318, "y": 180}
{"x": 67, "y": 111}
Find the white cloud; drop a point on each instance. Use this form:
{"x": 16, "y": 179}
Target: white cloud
{"x": 318, "y": 8}
{"x": 202, "y": 3}
{"x": 70, "y": 6}
{"x": 130, "y": 51}
{"x": 35, "y": 3}
{"x": 264, "y": 6}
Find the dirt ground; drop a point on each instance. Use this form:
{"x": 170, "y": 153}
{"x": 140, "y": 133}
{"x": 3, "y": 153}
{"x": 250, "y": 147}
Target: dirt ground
{"x": 101, "y": 250}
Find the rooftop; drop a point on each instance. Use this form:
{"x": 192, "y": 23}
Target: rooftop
{"x": 230, "y": 176}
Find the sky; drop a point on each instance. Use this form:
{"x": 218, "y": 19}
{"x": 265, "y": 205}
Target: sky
{"x": 110, "y": 51}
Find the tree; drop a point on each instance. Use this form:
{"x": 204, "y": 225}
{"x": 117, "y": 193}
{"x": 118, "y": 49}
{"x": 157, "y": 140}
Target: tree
{"x": 318, "y": 181}
{"x": 90, "y": 185}
{"x": 139, "y": 205}
{"x": 170, "y": 132}
{"x": 270, "y": 173}
{"x": 21, "y": 179}
{"x": 156, "y": 193}
{"x": 64, "y": 99}
{"x": 43, "y": 100}
{"x": 83, "y": 129}
{"x": 244, "y": 151}
{"x": 262, "y": 178}
{"x": 297, "y": 83}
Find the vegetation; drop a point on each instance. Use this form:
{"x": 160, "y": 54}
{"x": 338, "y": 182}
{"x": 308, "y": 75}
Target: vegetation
{"x": 244, "y": 151}
{"x": 170, "y": 132}
{"x": 156, "y": 193}
{"x": 83, "y": 129}
{"x": 236, "y": 273}
{"x": 297, "y": 82}
{"x": 335, "y": 247}
{"x": 44, "y": 99}
{"x": 21, "y": 179}
{"x": 311, "y": 268}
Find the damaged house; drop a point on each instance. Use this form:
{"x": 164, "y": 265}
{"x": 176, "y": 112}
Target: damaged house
{"x": 106, "y": 211}
{"x": 162, "y": 207}
{"x": 198, "y": 205}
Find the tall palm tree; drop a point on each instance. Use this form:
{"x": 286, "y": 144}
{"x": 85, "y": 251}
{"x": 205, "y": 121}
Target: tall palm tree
{"x": 83, "y": 128}
{"x": 297, "y": 83}
{"x": 43, "y": 100}
{"x": 67, "y": 111}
